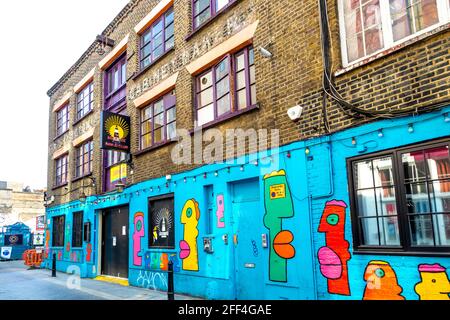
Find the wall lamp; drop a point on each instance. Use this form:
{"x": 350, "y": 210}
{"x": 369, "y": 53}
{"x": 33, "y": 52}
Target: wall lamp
{"x": 265, "y": 53}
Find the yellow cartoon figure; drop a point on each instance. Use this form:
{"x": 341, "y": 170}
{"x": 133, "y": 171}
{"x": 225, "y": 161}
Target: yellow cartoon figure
{"x": 435, "y": 284}
{"x": 188, "y": 246}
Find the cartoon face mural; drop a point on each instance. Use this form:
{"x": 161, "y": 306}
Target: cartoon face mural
{"x": 138, "y": 234}
{"x": 220, "y": 213}
{"x": 67, "y": 237}
{"x": 278, "y": 206}
{"x": 382, "y": 283}
{"x": 47, "y": 244}
{"x": 190, "y": 217}
{"x": 88, "y": 252}
{"x": 334, "y": 256}
{"x": 434, "y": 284}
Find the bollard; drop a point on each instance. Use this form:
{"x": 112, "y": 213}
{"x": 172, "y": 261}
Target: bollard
{"x": 54, "y": 266}
{"x": 170, "y": 289}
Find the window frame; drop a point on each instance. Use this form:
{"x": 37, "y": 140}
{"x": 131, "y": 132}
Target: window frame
{"x": 61, "y": 231}
{"x": 82, "y": 112}
{"x": 405, "y": 247}
{"x": 62, "y": 122}
{"x": 149, "y": 30}
{"x": 152, "y": 131}
{"x": 233, "y": 91}
{"x": 213, "y": 12}
{"x": 169, "y": 196}
{"x": 443, "y": 8}
{"x": 63, "y": 173}
{"x": 78, "y": 156}
{"x": 77, "y": 229}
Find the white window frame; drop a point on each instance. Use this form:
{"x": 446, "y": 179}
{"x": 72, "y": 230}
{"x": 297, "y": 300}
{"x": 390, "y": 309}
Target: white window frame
{"x": 443, "y": 7}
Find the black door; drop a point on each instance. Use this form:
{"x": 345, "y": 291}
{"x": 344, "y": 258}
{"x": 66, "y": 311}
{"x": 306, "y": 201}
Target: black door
{"x": 115, "y": 242}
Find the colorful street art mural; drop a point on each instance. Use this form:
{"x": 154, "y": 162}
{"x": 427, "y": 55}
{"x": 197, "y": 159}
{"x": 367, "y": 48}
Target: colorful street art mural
{"x": 138, "y": 234}
{"x": 76, "y": 256}
{"x": 220, "y": 213}
{"x": 334, "y": 256}
{"x": 381, "y": 282}
{"x": 278, "y": 206}
{"x": 67, "y": 237}
{"x": 157, "y": 261}
{"x": 190, "y": 217}
{"x": 434, "y": 284}
{"x": 152, "y": 280}
{"x": 47, "y": 244}
{"x": 88, "y": 252}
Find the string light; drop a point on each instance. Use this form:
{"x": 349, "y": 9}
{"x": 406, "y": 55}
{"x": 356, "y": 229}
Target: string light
{"x": 288, "y": 154}
{"x": 216, "y": 174}
{"x": 410, "y": 128}
{"x": 242, "y": 168}
{"x": 380, "y": 133}
{"x": 446, "y": 117}
{"x": 307, "y": 151}
{"x": 354, "y": 141}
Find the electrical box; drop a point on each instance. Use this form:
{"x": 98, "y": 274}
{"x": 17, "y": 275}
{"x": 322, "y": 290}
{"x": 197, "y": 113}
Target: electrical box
{"x": 207, "y": 245}
{"x": 264, "y": 240}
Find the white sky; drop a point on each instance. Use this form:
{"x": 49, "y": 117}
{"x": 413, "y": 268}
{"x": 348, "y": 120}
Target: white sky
{"x": 40, "y": 41}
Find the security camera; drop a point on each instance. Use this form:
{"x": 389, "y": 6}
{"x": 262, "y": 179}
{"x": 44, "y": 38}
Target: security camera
{"x": 265, "y": 53}
{"x": 295, "y": 113}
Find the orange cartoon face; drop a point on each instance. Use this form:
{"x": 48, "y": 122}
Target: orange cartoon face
{"x": 381, "y": 282}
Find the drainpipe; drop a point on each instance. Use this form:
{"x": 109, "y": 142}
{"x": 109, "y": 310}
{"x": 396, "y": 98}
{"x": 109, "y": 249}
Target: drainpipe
{"x": 310, "y": 200}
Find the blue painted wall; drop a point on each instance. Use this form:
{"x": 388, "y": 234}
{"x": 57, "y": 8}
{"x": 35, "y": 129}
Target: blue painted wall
{"x": 313, "y": 180}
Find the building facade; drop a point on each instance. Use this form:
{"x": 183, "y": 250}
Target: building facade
{"x": 21, "y": 204}
{"x": 348, "y": 201}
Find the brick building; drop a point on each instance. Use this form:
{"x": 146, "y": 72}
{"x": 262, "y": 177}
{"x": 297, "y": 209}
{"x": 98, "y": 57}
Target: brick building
{"x": 357, "y": 189}
{"x": 20, "y": 204}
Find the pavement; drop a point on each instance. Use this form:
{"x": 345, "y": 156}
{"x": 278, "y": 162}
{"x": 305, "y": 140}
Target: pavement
{"x": 18, "y": 282}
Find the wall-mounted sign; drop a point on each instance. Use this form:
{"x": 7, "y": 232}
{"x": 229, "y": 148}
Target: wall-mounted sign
{"x": 5, "y": 253}
{"x": 40, "y": 223}
{"x": 115, "y": 132}
{"x": 118, "y": 173}
{"x": 14, "y": 240}
{"x": 38, "y": 239}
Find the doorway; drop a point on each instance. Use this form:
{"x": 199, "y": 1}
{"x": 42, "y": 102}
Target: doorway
{"x": 115, "y": 243}
{"x": 248, "y": 252}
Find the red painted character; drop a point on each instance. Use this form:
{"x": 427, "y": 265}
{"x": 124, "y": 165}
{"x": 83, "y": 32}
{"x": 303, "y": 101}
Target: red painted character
{"x": 88, "y": 252}
{"x": 334, "y": 256}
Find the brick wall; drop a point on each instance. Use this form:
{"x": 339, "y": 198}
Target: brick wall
{"x": 417, "y": 75}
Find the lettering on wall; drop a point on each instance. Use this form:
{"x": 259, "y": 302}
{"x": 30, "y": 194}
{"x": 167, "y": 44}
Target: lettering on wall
{"x": 434, "y": 283}
{"x": 138, "y": 234}
{"x": 334, "y": 256}
{"x": 233, "y": 25}
{"x": 220, "y": 213}
{"x": 190, "y": 217}
{"x": 278, "y": 206}
{"x": 381, "y": 282}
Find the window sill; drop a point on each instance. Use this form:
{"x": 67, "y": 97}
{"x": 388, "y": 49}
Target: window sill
{"x": 396, "y": 252}
{"x": 60, "y": 135}
{"x": 154, "y": 147}
{"x": 210, "y": 20}
{"x": 82, "y": 177}
{"x": 142, "y": 71}
{"x": 60, "y": 186}
{"x": 226, "y": 118}
{"x": 360, "y": 63}
{"x": 83, "y": 117}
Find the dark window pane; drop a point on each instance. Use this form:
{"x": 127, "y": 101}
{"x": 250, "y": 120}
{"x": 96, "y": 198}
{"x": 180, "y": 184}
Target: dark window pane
{"x": 417, "y": 198}
{"x": 414, "y": 167}
{"x": 389, "y": 231}
{"x": 370, "y": 231}
{"x": 366, "y": 203}
{"x": 442, "y": 229}
{"x": 421, "y": 230}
